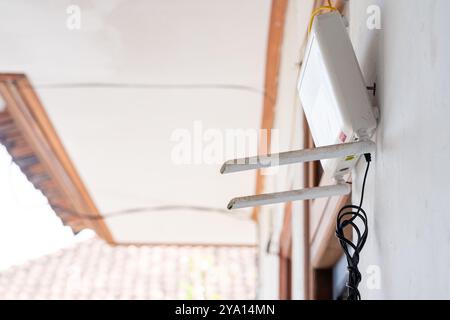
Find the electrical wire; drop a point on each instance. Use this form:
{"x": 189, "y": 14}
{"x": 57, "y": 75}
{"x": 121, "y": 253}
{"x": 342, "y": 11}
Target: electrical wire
{"x": 318, "y": 11}
{"x": 353, "y": 216}
{"x": 151, "y": 86}
{"x": 132, "y": 211}
{"x": 140, "y": 85}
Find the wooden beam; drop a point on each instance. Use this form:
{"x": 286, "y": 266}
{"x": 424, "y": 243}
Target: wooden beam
{"x": 86, "y": 204}
{"x": 322, "y": 289}
{"x": 285, "y": 255}
{"x": 286, "y": 232}
{"x": 273, "y": 58}
{"x": 38, "y": 136}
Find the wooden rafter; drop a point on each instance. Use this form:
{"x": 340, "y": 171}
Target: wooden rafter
{"x": 30, "y": 138}
{"x": 274, "y": 42}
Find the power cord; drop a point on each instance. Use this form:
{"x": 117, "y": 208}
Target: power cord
{"x": 349, "y": 216}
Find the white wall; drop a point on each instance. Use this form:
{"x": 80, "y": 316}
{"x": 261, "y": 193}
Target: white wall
{"x": 408, "y": 186}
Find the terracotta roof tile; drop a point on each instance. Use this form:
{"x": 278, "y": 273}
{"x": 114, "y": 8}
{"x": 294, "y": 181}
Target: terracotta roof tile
{"x": 96, "y": 270}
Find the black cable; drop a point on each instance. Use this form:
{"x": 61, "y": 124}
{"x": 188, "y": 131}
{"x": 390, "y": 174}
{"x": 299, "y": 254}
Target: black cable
{"x": 348, "y": 216}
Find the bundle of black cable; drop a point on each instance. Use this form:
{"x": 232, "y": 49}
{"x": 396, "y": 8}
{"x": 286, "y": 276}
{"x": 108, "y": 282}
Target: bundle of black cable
{"x": 356, "y": 218}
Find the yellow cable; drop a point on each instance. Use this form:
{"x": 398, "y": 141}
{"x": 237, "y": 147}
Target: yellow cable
{"x": 317, "y": 11}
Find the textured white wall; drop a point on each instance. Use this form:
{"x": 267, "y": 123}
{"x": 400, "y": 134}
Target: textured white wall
{"x": 409, "y": 183}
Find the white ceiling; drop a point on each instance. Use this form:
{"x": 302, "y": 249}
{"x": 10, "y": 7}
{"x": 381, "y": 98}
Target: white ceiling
{"x": 119, "y": 137}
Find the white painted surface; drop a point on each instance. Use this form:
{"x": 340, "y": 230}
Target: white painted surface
{"x": 408, "y": 185}
{"x": 119, "y": 139}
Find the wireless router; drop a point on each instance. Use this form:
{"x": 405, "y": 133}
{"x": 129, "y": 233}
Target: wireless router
{"x": 338, "y": 110}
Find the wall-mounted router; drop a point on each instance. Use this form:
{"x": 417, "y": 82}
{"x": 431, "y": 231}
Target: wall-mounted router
{"x": 338, "y": 110}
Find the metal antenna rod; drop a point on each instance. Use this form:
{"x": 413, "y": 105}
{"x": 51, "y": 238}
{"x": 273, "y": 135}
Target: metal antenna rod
{"x": 298, "y": 156}
{"x": 339, "y": 189}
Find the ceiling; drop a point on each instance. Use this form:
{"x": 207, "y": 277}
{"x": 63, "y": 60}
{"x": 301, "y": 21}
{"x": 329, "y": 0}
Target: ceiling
{"x": 118, "y": 88}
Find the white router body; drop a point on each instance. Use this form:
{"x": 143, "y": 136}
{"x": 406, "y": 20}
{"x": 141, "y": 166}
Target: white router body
{"x": 332, "y": 91}
{"x": 338, "y": 110}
